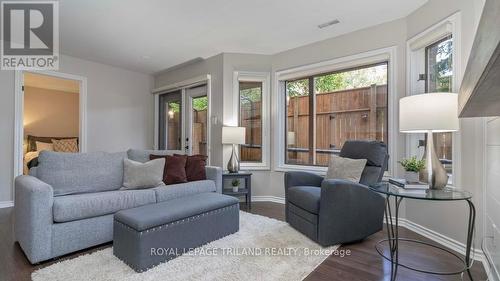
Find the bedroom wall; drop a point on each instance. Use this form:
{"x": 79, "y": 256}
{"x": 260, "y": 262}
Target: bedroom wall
{"x": 119, "y": 112}
{"x": 50, "y": 113}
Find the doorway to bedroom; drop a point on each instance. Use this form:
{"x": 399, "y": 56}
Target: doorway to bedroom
{"x": 50, "y": 116}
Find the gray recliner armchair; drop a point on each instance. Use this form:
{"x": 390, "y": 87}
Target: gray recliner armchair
{"x": 335, "y": 211}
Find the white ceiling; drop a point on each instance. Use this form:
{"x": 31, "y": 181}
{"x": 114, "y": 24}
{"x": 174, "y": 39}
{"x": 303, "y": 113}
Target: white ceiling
{"x": 152, "y": 35}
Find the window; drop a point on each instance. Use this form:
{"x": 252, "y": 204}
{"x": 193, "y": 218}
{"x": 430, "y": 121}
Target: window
{"x": 251, "y": 118}
{"x": 431, "y": 68}
{"x": 251, "y": 95}
{"x": 170, "y": 123}
{"x": 325, "y": 110}
{"x": 439, "y": 78}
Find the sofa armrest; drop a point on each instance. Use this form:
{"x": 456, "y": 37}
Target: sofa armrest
{"x": 215, "y": 173}
{"x": 349, "y": 212}
{"x": 33, "y": 217}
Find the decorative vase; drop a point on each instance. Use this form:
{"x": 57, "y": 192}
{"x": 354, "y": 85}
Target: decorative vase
{"x": 411, "y": 177}
{"x": 235, "y": 188}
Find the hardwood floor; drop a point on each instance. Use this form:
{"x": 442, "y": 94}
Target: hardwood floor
{"x": 363, "y": 264}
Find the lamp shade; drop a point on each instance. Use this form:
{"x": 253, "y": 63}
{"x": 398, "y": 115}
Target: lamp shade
{"x": 233, "y": 135}
{"x": 434, "y": 112}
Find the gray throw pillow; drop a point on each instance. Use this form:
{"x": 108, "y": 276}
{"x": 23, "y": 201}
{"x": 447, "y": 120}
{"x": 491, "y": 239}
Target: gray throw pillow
{"x": 138, "y": 175}
{"x": 345, "y": 168}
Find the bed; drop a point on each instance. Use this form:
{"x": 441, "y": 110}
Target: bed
{"x": 30, "y": 158}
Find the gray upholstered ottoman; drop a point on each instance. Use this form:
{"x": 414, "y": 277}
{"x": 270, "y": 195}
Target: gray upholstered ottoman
{"x": 146, "y": 236}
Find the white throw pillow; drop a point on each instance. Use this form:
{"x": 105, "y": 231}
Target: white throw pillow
{"x": 345, "y": 168}
{"x": 137, "y": 175}
{"x": 44, "y": 146}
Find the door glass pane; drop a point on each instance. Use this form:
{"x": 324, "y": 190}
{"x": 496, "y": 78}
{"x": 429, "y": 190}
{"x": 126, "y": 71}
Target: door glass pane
{"x": 251, "y": 119}
{"x": 170, "y": 121}
{"x": 174, "y": 125}
{"x": 297, "y": 138}
{"x": 439, "y": 73}
{"x": 350, "y": 105}
{"x": 199, "y": 125}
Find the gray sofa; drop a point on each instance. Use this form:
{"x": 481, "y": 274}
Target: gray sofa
{"x": 335, "y": 211}
{"x": 67, "y": 203}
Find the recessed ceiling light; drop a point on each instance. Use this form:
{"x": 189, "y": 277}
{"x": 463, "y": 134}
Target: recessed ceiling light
{"x": 326, "y": 24}
{"x": 145, "y": 57}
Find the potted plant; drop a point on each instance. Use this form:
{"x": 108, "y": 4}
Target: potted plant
{"x": 412, "y": 168}
{"x": 236, "y": 185}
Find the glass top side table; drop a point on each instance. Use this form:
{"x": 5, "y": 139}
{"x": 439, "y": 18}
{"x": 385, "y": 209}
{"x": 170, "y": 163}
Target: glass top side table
{"x": 448, "y": 194}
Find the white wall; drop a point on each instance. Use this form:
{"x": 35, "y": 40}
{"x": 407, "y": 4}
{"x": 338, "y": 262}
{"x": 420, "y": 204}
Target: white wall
{"x": 119, "y": 112}
{"x": 492, "y": 191}
{"x": 396, "y": 33}
{"x": 450, "y": 218}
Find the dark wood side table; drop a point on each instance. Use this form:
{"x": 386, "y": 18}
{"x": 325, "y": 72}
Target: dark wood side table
{"x": 247, "y": 190}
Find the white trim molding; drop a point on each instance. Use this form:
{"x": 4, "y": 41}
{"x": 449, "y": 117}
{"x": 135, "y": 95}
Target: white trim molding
{"x": 273, "y": 199}
{"x": 444, "y": 240}
{"x": 264, "y": 78}
{"x": 6, "y": 204}
{"x": 374, "y": 56}
{"x": 19, "y": 113}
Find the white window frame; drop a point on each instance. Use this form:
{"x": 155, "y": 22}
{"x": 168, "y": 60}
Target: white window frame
{"x": 415, "y": 51}
{"x": 264, "y": 78}
{"x": 388, "y": 54}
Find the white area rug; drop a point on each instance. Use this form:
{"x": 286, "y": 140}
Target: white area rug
{"x": 290, "y": 256}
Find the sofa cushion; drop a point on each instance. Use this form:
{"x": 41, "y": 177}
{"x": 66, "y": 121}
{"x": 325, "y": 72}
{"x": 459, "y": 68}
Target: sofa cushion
{"x": 137, "y": 175}
{"x": 168, "y": 192}
{"x": 305, "y": 197}
{"x": 175, "y": 168}
{"x": 150, "y": 216}
{"x": 195, "y": 167}
{"x": 142, "y": 155}
{"x": 82, "y": 206}
{"x": 71, "y": 173}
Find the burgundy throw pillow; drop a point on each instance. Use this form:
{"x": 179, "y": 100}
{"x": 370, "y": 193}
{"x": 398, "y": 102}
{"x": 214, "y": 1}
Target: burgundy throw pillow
{"x": 175, "y": 168}
{"x": 195, "y": 168}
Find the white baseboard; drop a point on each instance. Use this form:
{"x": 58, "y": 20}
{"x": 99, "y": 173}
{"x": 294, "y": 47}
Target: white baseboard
{"x": 444, "y": 240}
{"x": 273, "y": 199}
{"x": 6, "y": 204}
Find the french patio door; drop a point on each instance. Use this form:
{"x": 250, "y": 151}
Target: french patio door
{"x": 183, "y": 119}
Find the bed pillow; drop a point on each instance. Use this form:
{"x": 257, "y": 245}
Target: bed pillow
{"x": 175, "y": 168}
{"x": 137, "y": 175}
{"x": 44, "y": 146}
{"x": 65, "y": 145}
{"x": 345, "y": 168}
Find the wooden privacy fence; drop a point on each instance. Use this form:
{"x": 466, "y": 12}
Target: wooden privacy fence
{"x": 341, "y": 115}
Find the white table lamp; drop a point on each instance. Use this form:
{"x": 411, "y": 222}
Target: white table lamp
{"x": 430, "y": 113}
{"x": 234, "y": 136}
